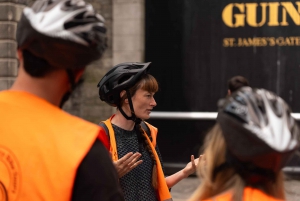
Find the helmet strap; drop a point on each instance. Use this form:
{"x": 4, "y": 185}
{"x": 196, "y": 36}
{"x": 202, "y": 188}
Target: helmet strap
{"x": 133, "y": 117}
{"x": 67, "y": 95}
{"x": 251, "y": 173}
{"x": 71, "y": 79}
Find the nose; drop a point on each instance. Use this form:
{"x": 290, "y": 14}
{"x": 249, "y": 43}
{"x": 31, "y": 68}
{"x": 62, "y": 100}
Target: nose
{"x": 153, "y": 102}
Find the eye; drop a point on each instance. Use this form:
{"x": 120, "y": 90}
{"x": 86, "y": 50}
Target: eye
{"x": 148, "y": 95}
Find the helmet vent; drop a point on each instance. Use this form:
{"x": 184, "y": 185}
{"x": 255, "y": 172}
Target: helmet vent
{"x": 124, "y": 79}
{"x": 134, "y": 67}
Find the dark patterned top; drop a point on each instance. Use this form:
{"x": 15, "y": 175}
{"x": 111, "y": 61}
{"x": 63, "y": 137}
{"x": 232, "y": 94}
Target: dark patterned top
{"x": 136, "y": 184}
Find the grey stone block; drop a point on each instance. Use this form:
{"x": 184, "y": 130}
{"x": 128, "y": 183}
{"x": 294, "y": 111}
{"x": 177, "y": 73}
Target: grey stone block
{"x": 6, "y": 83}
{"x": 129, "y": 1}
{"x": 128, "y": 11}
{"x": 128, "y": 42}
{"x": 8, "y": 30}
{"x": 22, "y": 2}
{"x": 128, "y": 27}
{"x": 128, "y": 56}
{"x": 8, "y": 49}
{"x": 8, "y": 67}
{"x": 85, "y": 101}
{"x": 10, "y": 12}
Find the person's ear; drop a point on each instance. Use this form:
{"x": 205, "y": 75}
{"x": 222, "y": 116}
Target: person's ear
{"x": 122, "y": 93}
{"x": 78, "y": 74}
{"x": 20, "y": 57}
{"x": 228, "y": 92}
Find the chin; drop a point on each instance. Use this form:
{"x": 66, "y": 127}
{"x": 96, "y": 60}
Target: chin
{"x": 145, "y": 117}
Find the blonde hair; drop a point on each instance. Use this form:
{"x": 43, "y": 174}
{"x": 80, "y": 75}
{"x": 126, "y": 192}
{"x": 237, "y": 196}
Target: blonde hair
{"x": 226, "y": 179}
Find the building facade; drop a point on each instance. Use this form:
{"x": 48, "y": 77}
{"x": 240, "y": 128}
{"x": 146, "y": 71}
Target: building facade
{"x": 125, "y": 31}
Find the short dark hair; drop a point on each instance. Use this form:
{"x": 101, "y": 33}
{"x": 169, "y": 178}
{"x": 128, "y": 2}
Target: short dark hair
{"x": 237, "y": 82}
{"x": 35, "y": 66}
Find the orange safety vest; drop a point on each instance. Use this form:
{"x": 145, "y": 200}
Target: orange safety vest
{"x": 41, "y": 147}
{"x": 163, "y": 190}
{"x": 250, "y": 194}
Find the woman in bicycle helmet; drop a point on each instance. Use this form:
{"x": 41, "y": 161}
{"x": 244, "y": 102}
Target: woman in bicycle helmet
{"x": 130, "y": 88}
{"x": 254, "y": 137}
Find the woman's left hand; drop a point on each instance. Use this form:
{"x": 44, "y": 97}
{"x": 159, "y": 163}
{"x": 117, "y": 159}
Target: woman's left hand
{"x": 191, "y": 167}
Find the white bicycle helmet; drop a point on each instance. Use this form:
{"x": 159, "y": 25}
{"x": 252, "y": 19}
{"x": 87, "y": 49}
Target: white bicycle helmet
{"x": 258, "y": 128}
{"x": 68, "y": 34}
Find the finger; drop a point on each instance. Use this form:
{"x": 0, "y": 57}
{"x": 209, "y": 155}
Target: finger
{"x": 193, "y": 161}
{"x": 196, "y": 161}
{"x": 125, "y": 158}
{"x": 136, "y": 164}
{"x": 192, "y": 158}
{"x": 135, "y": 156}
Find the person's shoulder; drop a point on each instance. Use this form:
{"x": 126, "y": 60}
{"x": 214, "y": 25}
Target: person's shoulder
{"x": 249, "y": 194}
{"x": 149, "y": 125}
{"x": 257, "y": 194}
{"x": 226, "y": 195}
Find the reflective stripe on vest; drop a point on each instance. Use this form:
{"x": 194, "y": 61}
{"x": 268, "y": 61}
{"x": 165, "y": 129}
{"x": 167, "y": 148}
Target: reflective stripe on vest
{"x": 41, "y": 147}
{"x": 163, "y": 191}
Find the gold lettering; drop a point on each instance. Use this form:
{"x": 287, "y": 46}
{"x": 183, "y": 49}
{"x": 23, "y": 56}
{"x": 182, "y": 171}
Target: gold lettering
{"x": 228, "y": 42}
{"x": 250, "y": 41}
{"x": 262, "y": 42}
{"x": 272, "y": 41}
{"x": 289, "y": 8}
{"x": 237, "y": 14}
{"x": 297, "y": 40}
{"x": 292, "y": 39}
{"x": 273, "y": 14}
{"x": 280, "y": 41}
{"x": 227, "y": 15}
{"x": 287, "y": 41}
{"x": 252, "y": 14}
{"x": 240, "y": 42}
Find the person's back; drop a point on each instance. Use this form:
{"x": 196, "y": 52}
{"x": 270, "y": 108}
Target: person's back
{"x": 46, "y": 153}
{"x": 254, "y": 137}
{"x": 41, "y": 147}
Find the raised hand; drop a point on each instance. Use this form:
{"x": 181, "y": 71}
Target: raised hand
{"x": 191, "y": 167}
{"x": 127, "y": 163}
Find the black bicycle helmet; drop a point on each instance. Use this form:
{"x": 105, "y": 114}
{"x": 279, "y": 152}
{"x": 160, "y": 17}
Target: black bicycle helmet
{"x": 68, "y": 34}
{"x": 258, "y": 128}
{"x": 121, "y": 77}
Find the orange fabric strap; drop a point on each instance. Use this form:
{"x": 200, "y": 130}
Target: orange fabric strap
{"x": 163, "y": 190}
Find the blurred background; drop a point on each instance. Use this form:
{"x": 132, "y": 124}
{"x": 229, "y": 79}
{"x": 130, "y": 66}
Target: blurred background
{"x": 195, "y": 46}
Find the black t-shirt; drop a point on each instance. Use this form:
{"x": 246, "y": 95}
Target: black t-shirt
{"x": 96, "y": 177}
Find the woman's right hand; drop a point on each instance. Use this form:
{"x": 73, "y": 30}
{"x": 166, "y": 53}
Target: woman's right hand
{"x": 127, "y": 163}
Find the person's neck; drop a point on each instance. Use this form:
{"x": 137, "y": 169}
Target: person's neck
{"x": 52, "y": 87}
{"x": 120, "y": 121}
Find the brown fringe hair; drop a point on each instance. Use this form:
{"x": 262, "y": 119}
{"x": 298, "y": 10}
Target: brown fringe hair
{"x": 150, "y": 84}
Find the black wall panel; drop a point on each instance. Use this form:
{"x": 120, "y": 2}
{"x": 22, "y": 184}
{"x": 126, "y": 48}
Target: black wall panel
{"x": 197, "y": 45}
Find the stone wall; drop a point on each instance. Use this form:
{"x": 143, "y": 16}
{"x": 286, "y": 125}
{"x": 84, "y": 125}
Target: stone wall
{"x": 10, "y": 12}
{"x": 125, "y": 31}
{"x": 125, "y": 25}
{"x": 85, "y": 101}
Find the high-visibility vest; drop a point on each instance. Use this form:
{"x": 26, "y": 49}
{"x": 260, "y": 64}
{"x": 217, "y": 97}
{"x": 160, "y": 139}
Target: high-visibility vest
{"x": 250, "y": 194}
{"x": 41, "y": 148}
{"x": 163, "y": 190}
